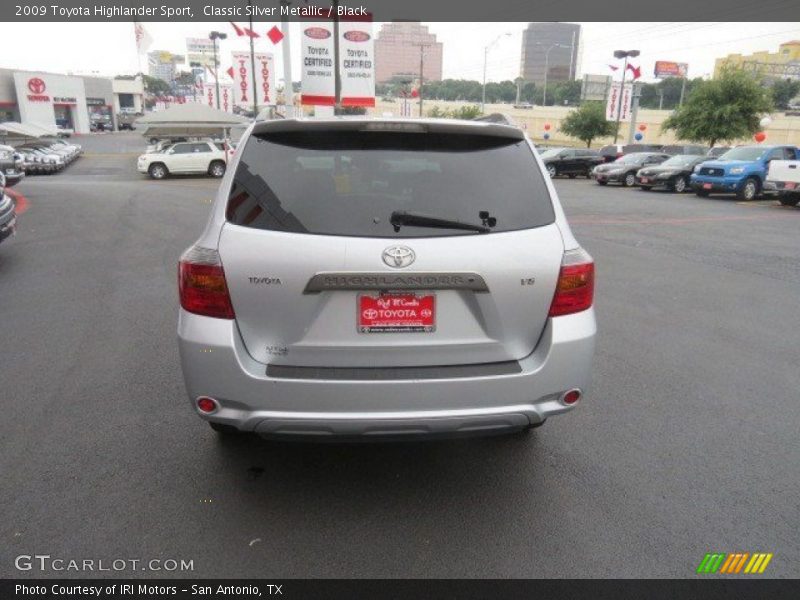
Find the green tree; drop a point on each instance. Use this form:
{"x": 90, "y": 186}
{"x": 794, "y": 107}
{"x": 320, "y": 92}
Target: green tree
{"x": 184, "y": 78}
{"x": 588, "y": 122}
{"x": 467, "y": 112}
{"x": 567, "y": 93}
{"x": 155, "y": 86}
{"x": 463, "y": 112}
{"x": 727, "y": 108}
{"x": 784, "y": 91}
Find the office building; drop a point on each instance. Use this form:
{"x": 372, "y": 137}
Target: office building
{"x": 161, "y": 65}
{"x": 783, "y": 64}
{"x": 397, "y": 52}
{"x": 554, "y": 48}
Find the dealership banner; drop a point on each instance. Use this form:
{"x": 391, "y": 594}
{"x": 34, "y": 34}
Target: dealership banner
{"x": 265, "y": 78}
{"x": 357, "y": 61}
{"x": 666, "y": 68}
{"x": 318, "y": 82}
{"x": 613, "y": 102}
{"x": 243, "y": 79}
{"x": 209, "y": 96}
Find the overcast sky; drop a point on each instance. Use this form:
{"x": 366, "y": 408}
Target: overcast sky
{"x": 108, "y": 48}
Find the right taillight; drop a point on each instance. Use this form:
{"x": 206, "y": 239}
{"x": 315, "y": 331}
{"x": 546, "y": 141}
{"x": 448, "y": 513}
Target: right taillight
{"x": 201, "y": 284}
{"x": 575, "y": 287}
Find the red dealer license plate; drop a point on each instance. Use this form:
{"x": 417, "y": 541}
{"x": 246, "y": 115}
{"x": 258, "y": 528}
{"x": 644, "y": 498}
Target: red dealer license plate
{"x": 706, "y": 186}
{"x": 396, "y": 313}
{"x": 644, "y": 179}
{"x": 789, "y": 185}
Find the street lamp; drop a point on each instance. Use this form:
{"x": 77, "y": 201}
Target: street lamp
{"x": 622, "y": 54}
{"x": 214, "y": 36}
{"x": 547, "y": 67}
{"x": 485, "y": 56}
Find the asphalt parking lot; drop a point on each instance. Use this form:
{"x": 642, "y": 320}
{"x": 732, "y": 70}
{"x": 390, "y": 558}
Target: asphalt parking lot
{"x": 687, "y": 443}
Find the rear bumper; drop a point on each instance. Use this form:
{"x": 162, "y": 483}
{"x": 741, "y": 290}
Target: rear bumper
{"x": 216, "y": 364}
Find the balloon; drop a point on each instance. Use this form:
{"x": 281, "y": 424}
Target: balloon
{"x": 765, "y": 122}
{"x": 638, "y": 137}
{"x": 642, "y": 127}
{"x": 760, "y": 136}
{"x": 547, "y": 126}
{"x": 547, "y": 136}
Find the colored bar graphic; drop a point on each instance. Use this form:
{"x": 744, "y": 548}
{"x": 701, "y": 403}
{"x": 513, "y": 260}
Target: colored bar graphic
{"x": 733, "y": 563}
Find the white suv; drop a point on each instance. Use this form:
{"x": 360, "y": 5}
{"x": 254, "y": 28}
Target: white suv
{"x": 184, "y": 158}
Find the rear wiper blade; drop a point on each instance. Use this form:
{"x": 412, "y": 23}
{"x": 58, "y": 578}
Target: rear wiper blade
{"x": 401, "y": 217}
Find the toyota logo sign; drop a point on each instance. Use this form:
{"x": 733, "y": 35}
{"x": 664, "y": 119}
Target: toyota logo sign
{"x": 36, "y": 85}
{"x": 398, "y": 256}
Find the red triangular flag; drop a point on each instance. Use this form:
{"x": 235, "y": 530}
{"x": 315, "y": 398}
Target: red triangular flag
{"x": 230, "y": 72}
{"x": 613, "y": 68}
{"x": 250, "y": 33}
{"x": 275, "y": 35}
{"x": 239, "y": 31}
{"x": 637, "y": 72}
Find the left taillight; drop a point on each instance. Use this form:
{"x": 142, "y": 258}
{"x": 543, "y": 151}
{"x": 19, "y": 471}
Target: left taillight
{"x": 201, "y": 284}
{"x": 575, "y": 287}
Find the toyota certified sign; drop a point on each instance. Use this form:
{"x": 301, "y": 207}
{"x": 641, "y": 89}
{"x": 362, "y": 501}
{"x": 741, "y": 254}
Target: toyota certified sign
{"x": 317, "y": 33}
{"x": 356, "y": 36}
{"x": 36, "y": 85}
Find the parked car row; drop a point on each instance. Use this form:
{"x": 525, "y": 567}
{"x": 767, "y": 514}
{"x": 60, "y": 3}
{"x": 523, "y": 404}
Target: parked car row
{"x": 45, "y": 158}
{"x": 612, "y": 152}
{"x": 8, "y": 217}
{"x": 741, "y": 171}
{"x": 185, "y": 157}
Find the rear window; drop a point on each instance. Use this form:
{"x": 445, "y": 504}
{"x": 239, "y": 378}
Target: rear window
{"x": 349, "y": 183}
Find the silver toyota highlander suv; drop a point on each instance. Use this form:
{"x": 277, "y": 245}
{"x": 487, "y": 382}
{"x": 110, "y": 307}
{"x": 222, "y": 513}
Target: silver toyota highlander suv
{"x": 385, "y": 278}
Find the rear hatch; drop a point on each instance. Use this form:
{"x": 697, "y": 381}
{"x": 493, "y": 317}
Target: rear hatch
{"x": 319, "y": 276}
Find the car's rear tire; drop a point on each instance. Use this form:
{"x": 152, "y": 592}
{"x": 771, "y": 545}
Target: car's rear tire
{"x": 789, "y": 199}
{"x": 601, "y": 182}
{"x": 216, "y": 168}
{"x": 679, "y": 185}
{"x": 158, "y": 171}
{"x": 552, "y": 170}
{"x": 702, "y": 193}
{"x": 749, "y": 190}
{"x": 226, "y": 430}
{"x": 646, "y": 188}
{"x": 572, "y": 175}
{"x": 629, "y": 180}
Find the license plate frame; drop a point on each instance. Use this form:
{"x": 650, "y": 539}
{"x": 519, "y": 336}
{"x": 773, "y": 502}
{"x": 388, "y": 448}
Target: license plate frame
{"x": 422, "y": 303}
{"x": 707, "y": 186}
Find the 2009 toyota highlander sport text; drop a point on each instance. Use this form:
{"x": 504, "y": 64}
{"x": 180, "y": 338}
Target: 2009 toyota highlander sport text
{"x": 385, "y": 278}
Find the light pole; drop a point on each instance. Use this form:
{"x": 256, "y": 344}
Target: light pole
{"x": 622, "y": 54}
{"x": 421, "y": 72}
{"x": 214, "y": 36}
{"x": 485, "y": 56}
{"x": 547, "y": 67}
